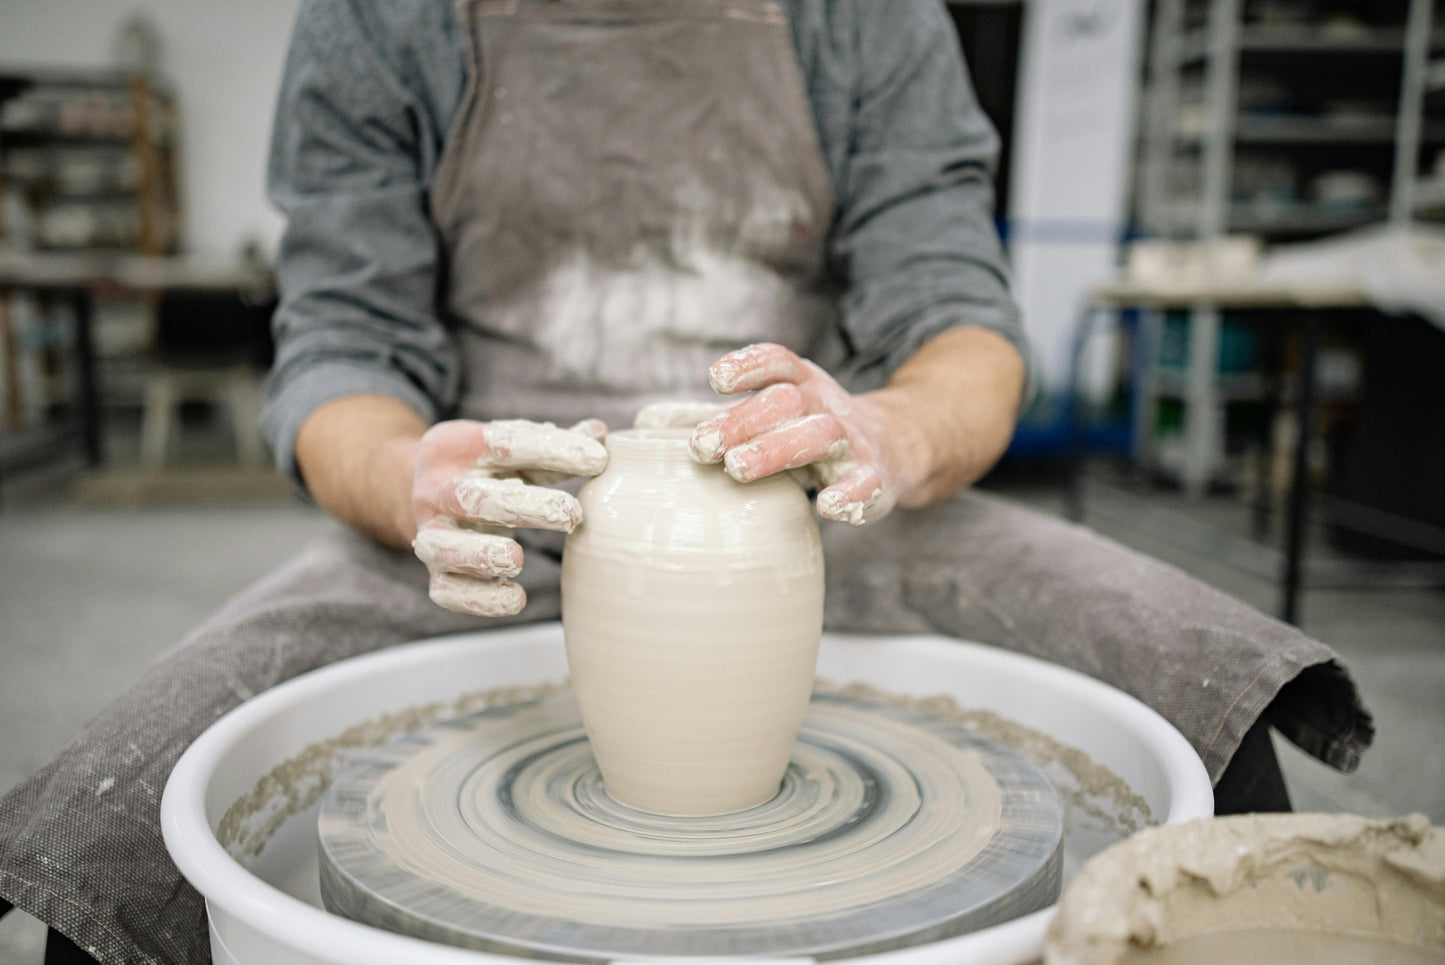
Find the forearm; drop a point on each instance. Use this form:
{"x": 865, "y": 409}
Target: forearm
{"x": 950, "y": 411}
{"x": 357, "y": 456}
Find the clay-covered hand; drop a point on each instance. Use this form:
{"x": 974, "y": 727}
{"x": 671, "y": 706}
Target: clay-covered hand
{"x": 474, "y": 482}
{"x": 857, "y": 451}
{"x": 677, "y": 414}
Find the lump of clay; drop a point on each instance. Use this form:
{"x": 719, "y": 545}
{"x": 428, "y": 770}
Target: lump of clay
{"x": 1309, "y": 888}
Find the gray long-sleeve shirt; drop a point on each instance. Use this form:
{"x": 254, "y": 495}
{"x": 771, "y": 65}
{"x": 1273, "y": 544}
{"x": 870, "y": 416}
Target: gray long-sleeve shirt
{"x": 367, "y": 99}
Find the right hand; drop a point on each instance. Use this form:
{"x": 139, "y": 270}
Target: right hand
{"x": 475, "y": 481}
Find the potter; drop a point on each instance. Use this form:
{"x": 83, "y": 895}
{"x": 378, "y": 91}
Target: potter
{"x": 692, "y": 606}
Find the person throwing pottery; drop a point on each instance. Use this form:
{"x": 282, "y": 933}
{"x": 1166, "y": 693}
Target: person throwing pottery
{"x": 514, "y": 223}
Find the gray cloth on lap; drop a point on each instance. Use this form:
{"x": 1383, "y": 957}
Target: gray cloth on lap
{"x": 983, "y": 569}
{"x": 80, "y": 842}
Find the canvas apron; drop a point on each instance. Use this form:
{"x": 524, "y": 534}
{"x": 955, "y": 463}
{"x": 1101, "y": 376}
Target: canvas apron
{"x": 632, "y": 188}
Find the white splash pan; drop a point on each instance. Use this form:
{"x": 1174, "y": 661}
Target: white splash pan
{"x": 268, "y": 911}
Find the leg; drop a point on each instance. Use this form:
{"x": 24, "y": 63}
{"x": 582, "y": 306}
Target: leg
{"x": 1268, "y": 439}
{"x": 982, "y": 569}
{"x": 1299, "y": 485}
{"x": 1202, "y": 420}
{"x": 80, "y": 842}
{"x": 1253, "y": 781}
{"x": 158, "y": 415}
{"x": 89, "y": 387}
{"x": 245, "y": 404}
{"x": 1074, "y": 417}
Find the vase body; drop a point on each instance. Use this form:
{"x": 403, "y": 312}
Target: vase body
{"x": 692, "y": 607}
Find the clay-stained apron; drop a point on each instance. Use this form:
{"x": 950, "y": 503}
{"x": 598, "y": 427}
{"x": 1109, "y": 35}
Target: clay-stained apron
{"x": 631, "y": 189}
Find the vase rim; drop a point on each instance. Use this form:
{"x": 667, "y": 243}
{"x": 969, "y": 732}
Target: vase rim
{"x": 656, "y": 443}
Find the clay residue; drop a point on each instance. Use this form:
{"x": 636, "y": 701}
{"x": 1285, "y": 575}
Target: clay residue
{"x": 299, "y": 782}
{"x": 1083, "y": 784}
{"x": 1263, "y": 873}
{"x": 1284, "y": 947}
{"x": 496, "y": 825}
{"x": 296, "y": 784}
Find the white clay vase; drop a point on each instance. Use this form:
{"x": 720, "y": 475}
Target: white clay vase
{"x": 692, "y": 607}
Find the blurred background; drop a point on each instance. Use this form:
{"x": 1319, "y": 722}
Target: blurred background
{"x": 1226, "y": 220}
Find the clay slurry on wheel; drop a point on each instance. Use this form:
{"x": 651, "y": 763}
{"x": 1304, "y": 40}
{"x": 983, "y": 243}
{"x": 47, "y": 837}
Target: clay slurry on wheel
{"x": 494, "y": 832}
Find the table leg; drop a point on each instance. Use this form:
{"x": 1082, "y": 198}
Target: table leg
{"x": 1297, "y": 518}
{"x": 1272, "y": 365}
{"x": 1201, "y": 410}
{"x": 14, "y": 406}
{"x": 89, "y": 389}
{"x": 1143, "y": 391}
{"x": 1074, "y": 418}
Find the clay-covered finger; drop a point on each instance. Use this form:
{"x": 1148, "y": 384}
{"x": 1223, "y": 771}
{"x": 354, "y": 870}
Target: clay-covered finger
{"x": 483, "y": 598}
{"x": 680, "y": 414}
{"x": 769, "y": 409}
{"x": 591, "y": 428}
{"x": 858, "y": 498}
{"x": 444, "y": 544}
{"x": 519, "y": 444}
{"x": 477, "y": 497}
{"x": 755, "y": 367}
{"x": 799, "y": 443}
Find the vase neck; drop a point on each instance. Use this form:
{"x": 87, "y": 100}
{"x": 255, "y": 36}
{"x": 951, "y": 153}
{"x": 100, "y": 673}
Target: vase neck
{"x": 651, "y": 447}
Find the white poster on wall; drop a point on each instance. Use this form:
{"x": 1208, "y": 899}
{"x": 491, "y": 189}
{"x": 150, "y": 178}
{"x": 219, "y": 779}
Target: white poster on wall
{"x": 1078, "y": 84}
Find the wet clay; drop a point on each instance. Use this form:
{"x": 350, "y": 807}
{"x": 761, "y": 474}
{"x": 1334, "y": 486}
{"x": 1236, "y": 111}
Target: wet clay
{"x": 692, "y": 607}
{"x": 298, "y": 782}
{"x": 1083, "y": 784}
{"x": 1293, "y": 881}
{"x": 891, "y": 828}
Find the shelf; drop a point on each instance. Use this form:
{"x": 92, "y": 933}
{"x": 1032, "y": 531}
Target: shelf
{"x": 51, "y": 193}
{"x": 1302, "y": 220}
{"x": 11, "y": 79}
{"x": 1170, "y": 382}
{"x": 1298, "y": 40}
{"x": 1319, "y": 130}
{"x": 30, "y": 137}
{"x": 1430, "y": 195}
{"x": 1308, "y": 130}
{"x": 1305, "y": 220}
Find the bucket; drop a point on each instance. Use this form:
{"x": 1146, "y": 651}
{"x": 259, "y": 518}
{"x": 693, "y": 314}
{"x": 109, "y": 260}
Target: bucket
{"x": 1315, "y": 889}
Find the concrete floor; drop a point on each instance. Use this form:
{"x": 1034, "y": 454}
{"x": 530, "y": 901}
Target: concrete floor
{"x": 89, "y": 595}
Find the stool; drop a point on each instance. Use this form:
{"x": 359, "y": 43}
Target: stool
{"x": 209, "y": 347}
{"x": 167, "y": 387}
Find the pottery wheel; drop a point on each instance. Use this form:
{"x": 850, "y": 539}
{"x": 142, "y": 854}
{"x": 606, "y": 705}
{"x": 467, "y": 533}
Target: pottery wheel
{"x": 494, "y": 832}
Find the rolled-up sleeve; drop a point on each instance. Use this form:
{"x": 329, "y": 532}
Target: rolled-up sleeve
{"x": 914, "y": 244}
{"x": 358, "y": 263}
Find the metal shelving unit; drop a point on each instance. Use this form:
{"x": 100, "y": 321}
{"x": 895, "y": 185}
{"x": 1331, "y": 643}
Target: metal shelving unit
{"x": 1217, "y": 157}
{"x": 88, "y": 166}
{"x": 1424, "y": 74}
{"x": 1198, "y": 133}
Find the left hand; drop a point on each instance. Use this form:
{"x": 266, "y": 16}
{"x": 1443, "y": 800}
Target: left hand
{"x": 859, "y": 450}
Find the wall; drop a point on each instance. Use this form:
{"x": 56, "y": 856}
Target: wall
{"x": 1072, "y": 157}
{"x": 224, "y": 58}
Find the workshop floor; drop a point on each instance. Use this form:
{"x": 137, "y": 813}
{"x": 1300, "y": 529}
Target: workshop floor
{"x": 91, "y": 591}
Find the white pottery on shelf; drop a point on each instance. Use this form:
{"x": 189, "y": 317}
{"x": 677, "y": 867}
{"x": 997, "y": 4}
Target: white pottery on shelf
{"x": 692, "y": 606}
